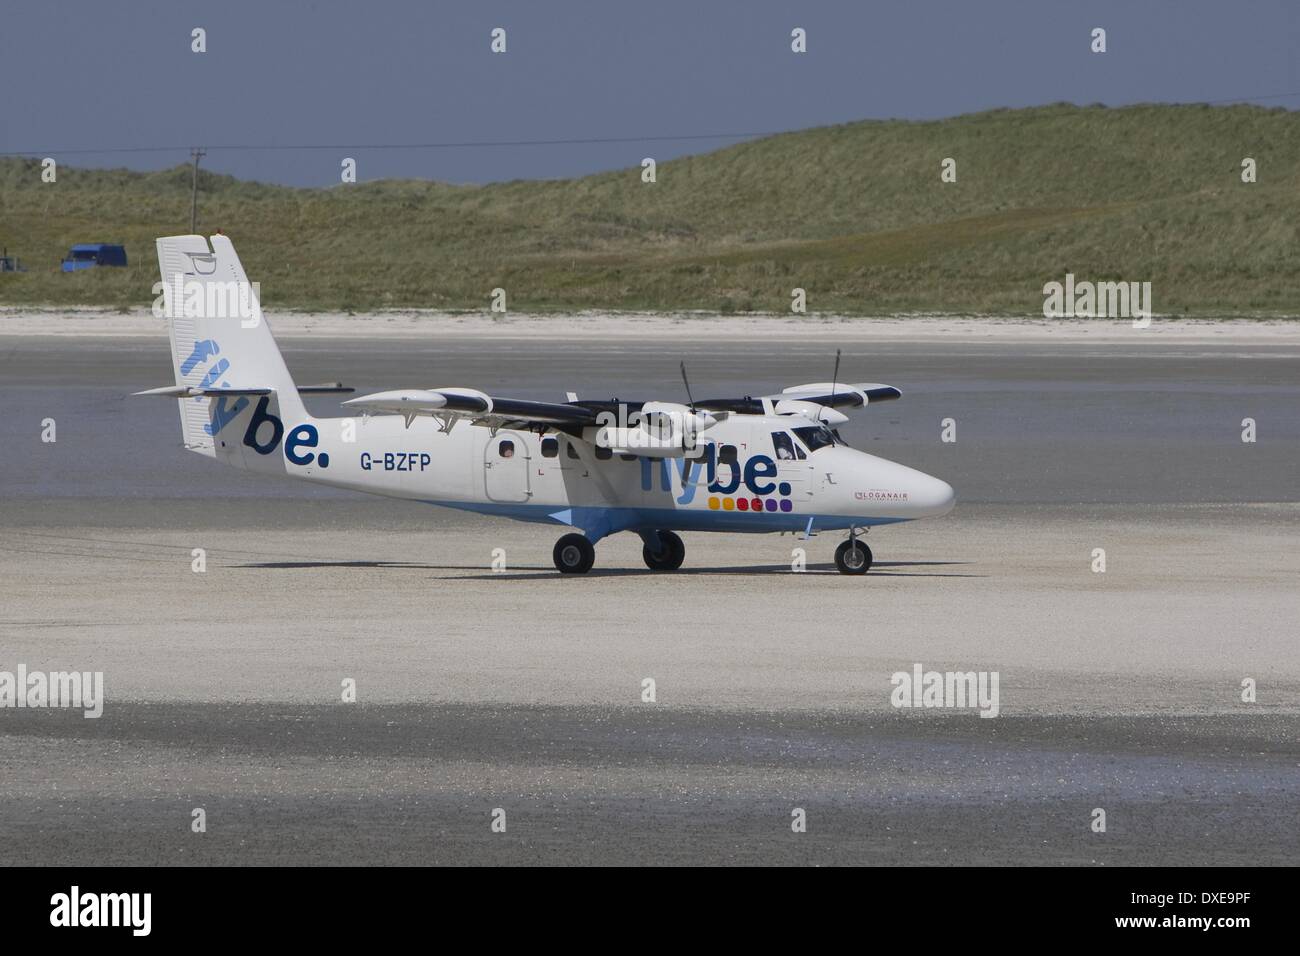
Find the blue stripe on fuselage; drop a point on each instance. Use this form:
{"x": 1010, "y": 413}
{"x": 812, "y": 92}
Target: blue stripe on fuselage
{"x": 605, "y": 521}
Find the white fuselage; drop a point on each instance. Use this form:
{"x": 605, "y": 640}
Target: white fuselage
{"x": 750, "y": 480}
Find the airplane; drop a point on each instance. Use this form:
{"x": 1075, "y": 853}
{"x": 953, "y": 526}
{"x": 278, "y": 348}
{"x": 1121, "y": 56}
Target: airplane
{"x": 771, "y": 463}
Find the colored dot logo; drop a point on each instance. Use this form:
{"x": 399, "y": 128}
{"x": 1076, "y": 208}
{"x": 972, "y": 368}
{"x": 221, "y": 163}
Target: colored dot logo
{"x": 755, "y": 505}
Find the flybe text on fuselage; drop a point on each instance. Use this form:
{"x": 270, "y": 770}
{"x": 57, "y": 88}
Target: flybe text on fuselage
{"x": 754, "y": 482}
{"x": 300, "y": 438}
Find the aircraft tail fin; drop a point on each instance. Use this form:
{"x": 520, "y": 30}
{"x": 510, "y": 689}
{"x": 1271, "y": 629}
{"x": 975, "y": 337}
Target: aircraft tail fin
{"x": 220, "y": 341}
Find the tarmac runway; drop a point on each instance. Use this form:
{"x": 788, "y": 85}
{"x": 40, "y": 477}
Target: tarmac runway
{"x": 522, "y": 690}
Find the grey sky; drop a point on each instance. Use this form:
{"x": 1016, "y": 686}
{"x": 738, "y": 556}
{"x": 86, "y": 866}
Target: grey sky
{"x": 103, "y": 74}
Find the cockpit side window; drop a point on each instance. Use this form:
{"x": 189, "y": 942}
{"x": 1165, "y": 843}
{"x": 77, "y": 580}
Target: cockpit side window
{"x": 783, "y": 445}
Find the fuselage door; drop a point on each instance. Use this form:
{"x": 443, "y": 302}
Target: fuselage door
{"x": 505, "y": 467}
{"x": 792, "y": 465}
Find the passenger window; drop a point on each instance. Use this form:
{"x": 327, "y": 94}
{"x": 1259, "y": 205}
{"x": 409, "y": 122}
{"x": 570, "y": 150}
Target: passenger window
{"x": 603, "y": 454}
{"x": 727, "y": 454}
{"x": 506, "y": 449}
{"x": 550, "y": 447}
{"x": 783, "y": 444}
{"x": 628, "y": 457}
{"x": 572, "y": 452}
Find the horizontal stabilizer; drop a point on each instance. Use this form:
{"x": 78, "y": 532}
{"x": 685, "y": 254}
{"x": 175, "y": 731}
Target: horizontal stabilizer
{"x": 197, "y": 391}
{"x": 327, "y": 388}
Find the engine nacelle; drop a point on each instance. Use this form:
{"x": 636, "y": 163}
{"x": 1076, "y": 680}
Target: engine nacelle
{"x": 657, "y": 429}
{"x": 811, "y": 410}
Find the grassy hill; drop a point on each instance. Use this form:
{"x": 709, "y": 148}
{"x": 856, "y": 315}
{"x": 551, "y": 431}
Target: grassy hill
{"x": 856, "y": 214}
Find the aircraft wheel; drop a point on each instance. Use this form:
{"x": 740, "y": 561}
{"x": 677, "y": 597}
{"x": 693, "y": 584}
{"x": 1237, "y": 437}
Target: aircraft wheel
{"x": 670, "y": 556}
{"x": 853, "y": 557}
{"x": 574, "y": 554}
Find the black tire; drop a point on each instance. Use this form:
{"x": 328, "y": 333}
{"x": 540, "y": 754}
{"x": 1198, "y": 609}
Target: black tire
{"x": 671, "y": 555}
{"x": 857, "y": 561}
{"x": 573, "y": 554}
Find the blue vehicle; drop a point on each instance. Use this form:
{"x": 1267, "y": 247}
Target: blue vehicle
{"x": 88, "y": 255}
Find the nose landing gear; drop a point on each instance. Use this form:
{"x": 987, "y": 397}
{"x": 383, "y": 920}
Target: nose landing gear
{"x": 853, "y": 556}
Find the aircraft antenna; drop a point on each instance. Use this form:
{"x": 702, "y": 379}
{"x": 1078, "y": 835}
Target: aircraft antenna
{"x": 835, "y": 377}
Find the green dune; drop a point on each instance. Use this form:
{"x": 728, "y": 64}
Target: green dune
{"x": 855, "y": 214}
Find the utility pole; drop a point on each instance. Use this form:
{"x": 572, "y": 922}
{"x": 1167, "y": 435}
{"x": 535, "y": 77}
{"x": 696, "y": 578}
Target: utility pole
{"x": 195, "y": 156}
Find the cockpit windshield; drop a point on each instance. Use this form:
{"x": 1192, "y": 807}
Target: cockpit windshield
{"x": 817, "y": 436}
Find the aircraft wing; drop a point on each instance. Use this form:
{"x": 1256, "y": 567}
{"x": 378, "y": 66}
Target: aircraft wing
{"x": 824, "y": 394}
{"x": 450, "y": 404}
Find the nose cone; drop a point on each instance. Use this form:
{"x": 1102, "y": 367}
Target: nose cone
{"x": 933, "y": 498}
{"x": 880, "y": 488}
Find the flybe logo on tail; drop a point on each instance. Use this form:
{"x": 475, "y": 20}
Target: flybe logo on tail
{"x": 203, "y": 350}
{"x": 223, "y": 410}
{"x": 296, "y": 444}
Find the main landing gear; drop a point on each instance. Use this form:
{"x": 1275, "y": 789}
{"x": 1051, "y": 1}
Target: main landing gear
{"x": 852, "y": 556}
{"x": 669, "y": 557}
{"x": 574, "y": 554}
